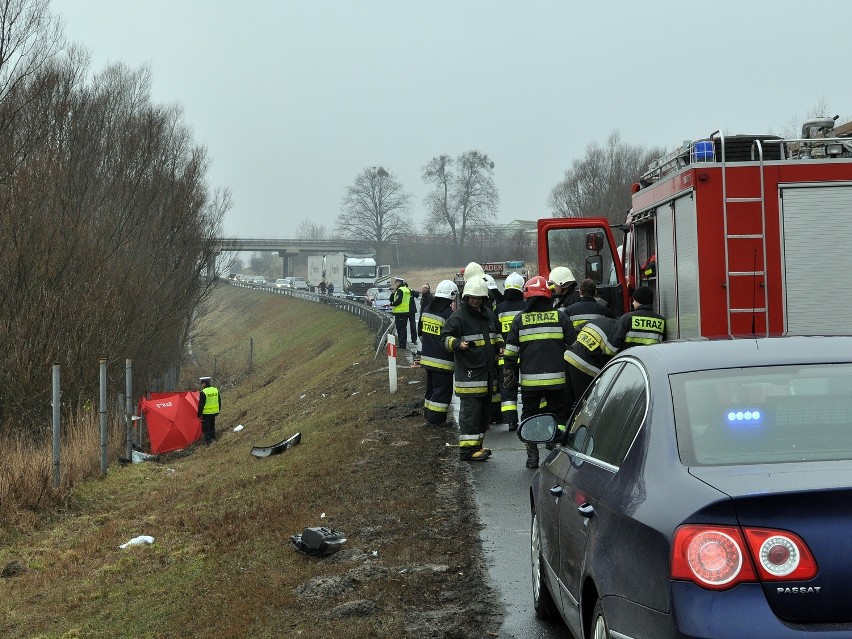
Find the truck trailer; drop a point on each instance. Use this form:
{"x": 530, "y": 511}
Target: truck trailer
{"x": 326, "y": 267}
{"x": 742, "y": 235}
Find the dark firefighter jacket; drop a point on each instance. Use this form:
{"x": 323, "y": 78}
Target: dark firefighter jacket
{"x": 588, "y": 308}
{"x": 539, "y": 338}
{"x": 433, "y": 355}
{"x": 476, "y": 367}
{"x": 642, "y": 326}
{"x": 511, "y": 305}
{"x": 592, "y": 349}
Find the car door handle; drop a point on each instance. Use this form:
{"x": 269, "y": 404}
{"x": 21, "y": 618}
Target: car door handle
{"x": 557, "y": 491}
{"x": 586, "y": 509}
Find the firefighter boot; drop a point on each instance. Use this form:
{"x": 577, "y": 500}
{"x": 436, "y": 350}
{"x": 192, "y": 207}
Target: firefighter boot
{"x": 532, "y": 456}
{"x": 476, "y": 454}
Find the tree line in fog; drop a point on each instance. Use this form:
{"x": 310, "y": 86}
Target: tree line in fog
{"x": 106, "y": 218}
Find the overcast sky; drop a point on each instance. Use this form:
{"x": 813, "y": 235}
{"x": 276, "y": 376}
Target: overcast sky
{"x": 293, "y": 99}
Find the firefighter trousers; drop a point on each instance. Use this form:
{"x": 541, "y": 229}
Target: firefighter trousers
{"x": 439, "y": 393}
{"x": 508, "y": 401}
{"x": 474, "y": 417}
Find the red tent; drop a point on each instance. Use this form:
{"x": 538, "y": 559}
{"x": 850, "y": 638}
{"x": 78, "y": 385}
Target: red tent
{"x": 172, "y": 420}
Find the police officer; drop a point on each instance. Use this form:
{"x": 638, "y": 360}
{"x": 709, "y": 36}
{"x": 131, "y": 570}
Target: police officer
{"x": 589, "y": 353}
{"x": 209, "y": 404}
{"x": 534, "y": 355}
{"x": 640, "y": 326}
{"x": 471, "y": 334}
{"x": 437, "y": 361}
{"x": 587, "y": 308}
{"x": 401, "y": 307}
{"x": 512, "y": 304}
{"x": 564, "y": 287}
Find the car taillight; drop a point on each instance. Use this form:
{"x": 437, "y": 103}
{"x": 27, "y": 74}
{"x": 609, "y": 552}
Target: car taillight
{"x": 716, "y": 557}
{"x": 781, "y": 555}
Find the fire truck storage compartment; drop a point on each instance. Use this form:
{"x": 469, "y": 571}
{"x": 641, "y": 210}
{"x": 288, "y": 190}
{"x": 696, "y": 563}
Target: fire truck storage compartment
{"x": 816, "y": 224}
{"x": 677, "y": 267}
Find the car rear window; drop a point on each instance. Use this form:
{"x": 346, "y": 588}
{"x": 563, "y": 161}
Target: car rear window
{"x": 764, "y": 414}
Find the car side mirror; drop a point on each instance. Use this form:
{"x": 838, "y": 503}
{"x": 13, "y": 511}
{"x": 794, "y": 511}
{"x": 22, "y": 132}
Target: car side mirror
{"x": 594, "y": 241}
{"x": 538, "y": 429}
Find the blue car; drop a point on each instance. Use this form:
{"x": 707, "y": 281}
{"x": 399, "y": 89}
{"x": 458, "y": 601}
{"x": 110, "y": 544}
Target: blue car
{"x": 701, "y": 489}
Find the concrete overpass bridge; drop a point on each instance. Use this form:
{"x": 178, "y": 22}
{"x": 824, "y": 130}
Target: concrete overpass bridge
{"x": 288, "y": 248}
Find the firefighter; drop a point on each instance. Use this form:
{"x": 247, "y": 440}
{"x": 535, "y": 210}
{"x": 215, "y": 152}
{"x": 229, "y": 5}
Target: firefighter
{"x": 471, "y": 334}
{"x": 434, "y": 357}
{"x": 587, "y": 308}
{"x": 494, "y": 293}
{"x": 641, "y": 326}
{"x": 534, "y": 356}
{"x": 512, "y": 304}
{"x": 564, "y": 287}
{"x": 589, "y": 353}
{"x": 400, "y": 306}
{"x": 209, "y": 404}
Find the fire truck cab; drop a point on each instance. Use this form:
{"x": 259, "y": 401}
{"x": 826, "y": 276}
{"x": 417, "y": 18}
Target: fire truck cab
{"x": 738, "y": 235}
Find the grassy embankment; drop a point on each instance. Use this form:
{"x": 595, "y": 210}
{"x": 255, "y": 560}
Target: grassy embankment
{"x": 222, "y": 565}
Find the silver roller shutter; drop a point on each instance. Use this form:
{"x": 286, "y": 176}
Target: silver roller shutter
{"x": 816, "y": 223}
{"x": 666, "y": 270}
{"x": 686, "y": 239}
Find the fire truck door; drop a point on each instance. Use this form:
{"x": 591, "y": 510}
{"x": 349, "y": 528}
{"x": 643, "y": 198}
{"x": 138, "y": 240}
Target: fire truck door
{"x": 588, "y": 248}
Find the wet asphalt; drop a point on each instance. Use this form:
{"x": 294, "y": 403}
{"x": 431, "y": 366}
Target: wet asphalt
{"x": 502, "y": 485}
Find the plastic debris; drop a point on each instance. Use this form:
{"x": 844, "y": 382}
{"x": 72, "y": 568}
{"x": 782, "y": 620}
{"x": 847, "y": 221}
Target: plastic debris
{"x": 303, "y": 396}
{"x": 139, "y": 457}
{"x": 318, "y": 541}
{"x": 276, "y": 449}
{"x": 237, "y": 429}
{"x": 138, "y": 541}
{"x": 322, "y": 516}
{"x": 375, "y": 553}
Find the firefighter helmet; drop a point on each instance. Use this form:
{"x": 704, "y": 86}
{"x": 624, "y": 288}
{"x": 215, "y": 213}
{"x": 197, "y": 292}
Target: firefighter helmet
{"x": 490, "y": 283}
{"x": 537, "y": 287}
{"x": 515, "y": 281}
{"x": 475, "y": 288}
{"x": 473, "y": 270}
{"x": 562, "y": 275}
{"x": 447, "y": 289}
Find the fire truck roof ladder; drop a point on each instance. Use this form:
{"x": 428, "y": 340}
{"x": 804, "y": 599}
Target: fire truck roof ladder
{"x": 750, "y": 235}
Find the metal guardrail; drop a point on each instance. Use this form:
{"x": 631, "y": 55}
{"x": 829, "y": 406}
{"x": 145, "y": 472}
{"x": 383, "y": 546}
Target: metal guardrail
{"x": 377, "y": 320}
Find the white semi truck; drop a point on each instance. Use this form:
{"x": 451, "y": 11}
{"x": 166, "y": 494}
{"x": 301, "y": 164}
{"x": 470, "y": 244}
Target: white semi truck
{"x": 351, "y": 275}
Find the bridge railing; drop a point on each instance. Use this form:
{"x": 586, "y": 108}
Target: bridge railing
{"x": 378, "y": 321}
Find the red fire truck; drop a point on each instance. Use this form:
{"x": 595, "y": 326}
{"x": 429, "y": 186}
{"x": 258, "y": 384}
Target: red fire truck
{"x": 738, "y": 235}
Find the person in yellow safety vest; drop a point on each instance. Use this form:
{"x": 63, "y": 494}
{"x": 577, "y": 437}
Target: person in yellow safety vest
{"x": 437, "y": 361}
{"x": 512, "y": 304}
{"x": 534, "y": 356}
{"x": 209, "y": 405}
{"x": 401, "y": 307}
{"x": 472, "y": 335}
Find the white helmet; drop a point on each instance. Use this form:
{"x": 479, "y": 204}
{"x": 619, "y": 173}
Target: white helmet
{"x": 447, "y": 289}
{"x": 475, "y": 288}
{"x": 515, "y": 281}
{"x": 562, "y": 275}
{"x": 490, "y": 283}
{"x": 473, "y": 270}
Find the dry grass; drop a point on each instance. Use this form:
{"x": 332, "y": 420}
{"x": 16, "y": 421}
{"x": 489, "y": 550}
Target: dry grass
{"x": 222, "y": 565}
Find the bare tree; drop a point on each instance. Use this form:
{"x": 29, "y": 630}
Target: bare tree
{"x": 463, "y": 195}
{"x": 310, "y": 230}
{"x": 599, "y": 184}
{"x": 376, "y": 209}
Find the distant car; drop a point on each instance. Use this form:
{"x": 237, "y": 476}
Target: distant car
{"x": 701, "y": 489}
{"x": 282, "y": 283}
{"x": 299, "y": 284}
{"x": 259, "y": 281}
{"x": 381, "y": 301}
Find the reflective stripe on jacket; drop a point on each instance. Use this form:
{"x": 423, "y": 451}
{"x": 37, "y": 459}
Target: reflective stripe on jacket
{"x": 433, "y": 355}
{"x": 592, "y": 349}
{"x": 640, "y": 327}
{"x": 539, "y": 340}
